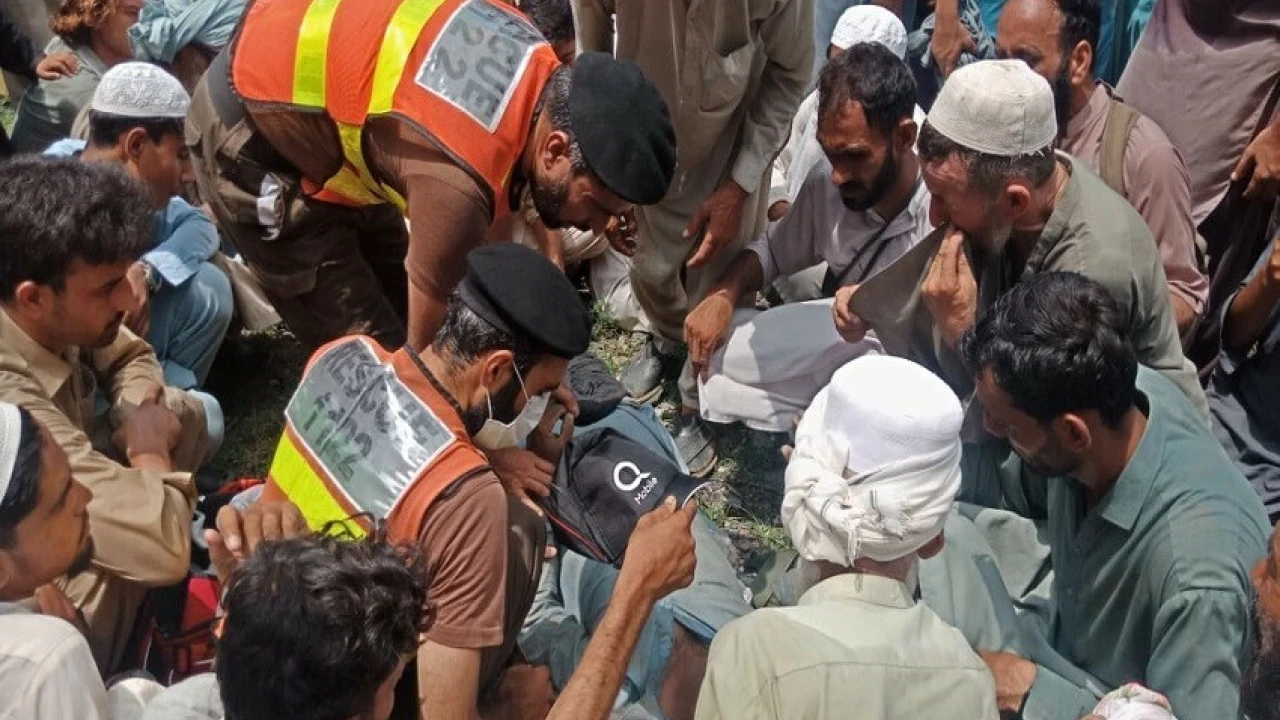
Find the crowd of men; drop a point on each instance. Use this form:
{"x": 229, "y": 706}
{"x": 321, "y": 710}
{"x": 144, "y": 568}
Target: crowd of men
{"x": 1003, "y": 278}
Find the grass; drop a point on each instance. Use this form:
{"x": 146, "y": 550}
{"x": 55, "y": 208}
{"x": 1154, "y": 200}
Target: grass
{"x": 255, "y": 377}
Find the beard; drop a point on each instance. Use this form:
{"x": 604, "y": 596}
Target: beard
{"x": 858, "y": 198}
{"x": 1052, "y": 461}
{"x": 993, "y": 239}
{"x": 83, "y": 559}
{"x": 503, "y": 401}
{"x": 1062, "y": 97}
{"x": 549, "y": 199}
{"x": 1260, "y": 686}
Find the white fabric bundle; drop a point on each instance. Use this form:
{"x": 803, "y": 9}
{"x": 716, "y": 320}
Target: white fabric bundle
{"x": 876, "y": 464}
{"x": 1134, "y": 702}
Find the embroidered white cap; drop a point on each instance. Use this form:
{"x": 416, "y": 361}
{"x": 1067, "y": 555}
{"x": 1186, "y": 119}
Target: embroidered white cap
{"x": 997, "y": 107}
{"x": 141, "y": 90}
{"x": 870, "y": 23}
{"x": 10, "y": 439}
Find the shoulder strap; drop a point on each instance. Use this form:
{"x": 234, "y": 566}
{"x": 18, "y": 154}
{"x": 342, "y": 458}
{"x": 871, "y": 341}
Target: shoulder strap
{"x": 1121, "y": 119}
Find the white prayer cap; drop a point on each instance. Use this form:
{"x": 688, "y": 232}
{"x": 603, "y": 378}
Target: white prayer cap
{"x": 141, "y": 90}
{"x": 870, "y": 23}
{"x": 876, "y": 464}
{"x": 998, "y": 107}
{"x": 10, "y": 440}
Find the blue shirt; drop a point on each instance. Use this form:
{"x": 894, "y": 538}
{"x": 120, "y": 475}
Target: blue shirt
{"x": 184, "y": 236}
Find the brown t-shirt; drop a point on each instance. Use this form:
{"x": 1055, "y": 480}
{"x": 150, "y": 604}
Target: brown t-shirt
{"x": 464, "y": 538}
{"x": 449, "y": 210}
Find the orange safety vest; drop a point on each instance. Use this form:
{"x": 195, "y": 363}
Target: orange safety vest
{"x": 465, "y": 73}
{"x": 367, "y": 433}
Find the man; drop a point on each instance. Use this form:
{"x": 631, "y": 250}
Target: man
{"x": 311, "y": 167}
{"x": 733, "y": 74}
{"x": 1151, "y": 530}
{"x": 869, "y": 485}
{"x": 862, "y": 23}
{"x": 46, "y": 669}
{"x": 861, "y": 217}
{"x": 17, "y": 56}
{"x": 554, "y": 19}
{"x": 69, "y": 232}
{"x": 1206, "y": 73}
{"x": 1015, "y": 209}
{"x": 1242, "y": 389}
{"x": 1059, "y": 40}
{"x": 135, "y": 120}
{"x": 408, "y": 438}
{"x": 368, "y": 596}
{"x": 1260, "y": 690}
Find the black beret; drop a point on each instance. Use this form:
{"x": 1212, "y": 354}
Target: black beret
{"x": 520, "y": 292}
{"x": 622, "y": 125}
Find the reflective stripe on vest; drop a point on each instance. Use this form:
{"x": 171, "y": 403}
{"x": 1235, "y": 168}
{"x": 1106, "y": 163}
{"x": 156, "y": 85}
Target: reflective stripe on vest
{"x": 467, "y": 73}
{"x": 359, "y": 441}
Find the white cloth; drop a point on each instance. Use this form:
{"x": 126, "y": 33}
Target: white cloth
{"x": 997, "y": 107}
{"x": 871, "y": 23}
{"x": 10, "y": 441}
{"x": 1134, "y": 702}
{"x": 141, "y": 90}
{"x": 876, "y": 465}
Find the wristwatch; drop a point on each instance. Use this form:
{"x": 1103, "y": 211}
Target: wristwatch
{"x": 152, "y": 276}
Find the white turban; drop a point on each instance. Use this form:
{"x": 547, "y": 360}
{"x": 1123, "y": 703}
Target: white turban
{"x": 876, "y": 464}
{"x": 870, "y": 23}
{"x": 10, "y": 439}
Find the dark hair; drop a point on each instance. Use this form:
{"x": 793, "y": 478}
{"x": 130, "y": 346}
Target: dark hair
{"x": 553, "y": 18}
{"x": 1056, "y": 343}
{"x": 24, "y": 485}
{"x": 988, "y": 173}
{"x": 105, "y": 129}
{"x": 872, "y": 76}
{"x": 464, "y": 337}
{"x": 54, "y": 210}
{"x": 554, "y": 101}
{"x": 316, "y": 624}
{"x": 1082, "y": 20}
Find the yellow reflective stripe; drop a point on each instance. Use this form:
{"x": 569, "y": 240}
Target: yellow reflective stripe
{"x": 313, "y": 53}
{"x": 369, "y": 189}
{"x": 295, "y": 478}
{"x": 397, "y": 42}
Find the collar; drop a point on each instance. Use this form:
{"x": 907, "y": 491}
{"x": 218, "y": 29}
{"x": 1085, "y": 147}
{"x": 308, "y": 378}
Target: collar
{"x": 1125, "y": 501}
{"x": 1059, "y": 221}
{"x": 1092, "y": 114}
{"x": 48, "y": 369}
{"x": 860, "y": 587}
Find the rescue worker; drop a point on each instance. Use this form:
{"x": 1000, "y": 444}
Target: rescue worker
{"x": 326, "y": 120}
{"x": 400, "y": 437}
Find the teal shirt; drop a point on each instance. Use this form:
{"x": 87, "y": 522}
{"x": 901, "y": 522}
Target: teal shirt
{"x": 1152, "y": 584}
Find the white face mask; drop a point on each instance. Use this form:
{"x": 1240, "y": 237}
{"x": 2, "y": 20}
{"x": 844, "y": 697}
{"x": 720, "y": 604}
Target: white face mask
{"x": 496, "y": 435}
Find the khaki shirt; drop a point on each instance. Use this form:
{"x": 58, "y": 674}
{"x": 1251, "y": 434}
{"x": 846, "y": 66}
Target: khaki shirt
{"x": 140, "y": 520}
{"x": 856, "y": 646}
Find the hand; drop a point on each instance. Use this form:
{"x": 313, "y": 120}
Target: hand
{"x": 850, "y": 326}
{"x": 1014, "y": 677}
{"x": 1271, "y": 275}
{"x": 950, "y": 39}
{"x": 718, "y": 221}
{"x": 139, "y": 318}
{"x": 949, "y": 290}
{"x": 706, "y": 328}
{"x": 151, "y": 429}
{"x": 59, "y": 64}
{"x": 525, "y": 693}
{"x": 1261, "y": 164}
{"x": 621, "y": 233}
{"x": 239, "y": 533}
{"x": 543, "y": 441}
{"x": 659, "y": 558}
{"x": 779, "y": 210}
{"x": 524, "y": 475}
{"x": 566, "y": 397}
{"x": 54, "y": 603}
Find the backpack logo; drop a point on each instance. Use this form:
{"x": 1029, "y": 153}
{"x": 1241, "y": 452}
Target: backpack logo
{"x": 637, "y": 477}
